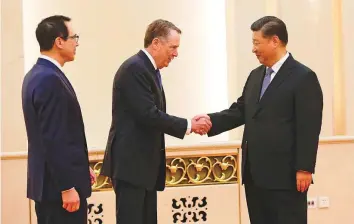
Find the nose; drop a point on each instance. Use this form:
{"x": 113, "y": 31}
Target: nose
{"x": 175, "y": 54}
{"x": 254, "y": 49}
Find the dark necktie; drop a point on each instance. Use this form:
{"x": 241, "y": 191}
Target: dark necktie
{"x": 158, "y": 75}
{"x": 266, "y": 81}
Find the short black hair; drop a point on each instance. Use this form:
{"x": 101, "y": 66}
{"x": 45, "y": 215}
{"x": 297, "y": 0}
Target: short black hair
{"x": 270, "y": 26}
{"x": 49, "y": 29}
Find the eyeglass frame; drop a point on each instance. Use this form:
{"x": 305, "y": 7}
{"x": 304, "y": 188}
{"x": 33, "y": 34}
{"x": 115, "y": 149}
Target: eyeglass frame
{"x": 74, "y": 37}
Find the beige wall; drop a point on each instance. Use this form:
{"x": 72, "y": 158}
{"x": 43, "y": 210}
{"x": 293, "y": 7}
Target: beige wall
{"x": 111, "y": 32}
{"x": 12, "y": 125}
{"x": 214, "y": 62}
{"x": 239, "y": 17}
{"x": 14, "y": 202}
{"x": 311, "y": 42}
{"x": 0, "y": 104}
{"x": 348, "y": 46}
{"x": 334, "y": 178}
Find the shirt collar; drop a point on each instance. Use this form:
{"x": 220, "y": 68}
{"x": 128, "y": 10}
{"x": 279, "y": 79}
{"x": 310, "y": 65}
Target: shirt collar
{"x": 279, "y": 63}
{"x": 150, "y": 57}
{"x": 55, "y": 62}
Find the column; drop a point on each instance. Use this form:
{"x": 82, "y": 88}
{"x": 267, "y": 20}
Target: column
{"x": 347, "y": 8}
{"x": 13, "y": 172}
{"x": 311, "y": 38}
{"x": 339, "y": 102}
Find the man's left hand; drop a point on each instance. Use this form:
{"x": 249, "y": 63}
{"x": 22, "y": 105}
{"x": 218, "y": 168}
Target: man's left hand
{"x": 92, "y": 176}
{"x": 303, "y": 180}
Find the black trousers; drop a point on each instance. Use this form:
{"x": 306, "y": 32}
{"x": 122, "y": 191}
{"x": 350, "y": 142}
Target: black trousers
{"x": 134, "y": 205}
{"x": 54, "y": 213}
{"x": 266, "y": 206}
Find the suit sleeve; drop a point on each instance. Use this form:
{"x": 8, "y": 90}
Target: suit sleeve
{"x": 136, "y": 89}
{"x": 51, "y": 104}
{"x": 230, "y": 118}
{"x": 308, "y": 109}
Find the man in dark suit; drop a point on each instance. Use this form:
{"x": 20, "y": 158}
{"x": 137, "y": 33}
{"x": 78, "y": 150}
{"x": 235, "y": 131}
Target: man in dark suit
{"x": 281, "y": 107}
{"x": 58, "y": 167}
{"x": 135, "y": 157}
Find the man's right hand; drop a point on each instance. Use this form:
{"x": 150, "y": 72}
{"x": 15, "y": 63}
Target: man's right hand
{"x": 71, "y": 200}
{"x": 201, "y": 124}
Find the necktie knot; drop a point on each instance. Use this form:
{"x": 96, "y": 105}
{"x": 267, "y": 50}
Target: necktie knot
{"x": 269, "y": 71}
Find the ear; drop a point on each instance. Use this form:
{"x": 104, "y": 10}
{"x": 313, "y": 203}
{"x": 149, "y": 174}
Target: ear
{"x": 276, "y": 41}
{"x": 59, "y": 42}
{"x": 156, "y": 43}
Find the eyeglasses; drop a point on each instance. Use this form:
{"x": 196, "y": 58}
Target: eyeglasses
{"x": 75, "y": 37}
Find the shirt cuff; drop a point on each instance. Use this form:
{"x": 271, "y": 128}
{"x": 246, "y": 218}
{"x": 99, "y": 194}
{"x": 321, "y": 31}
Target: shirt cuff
{"x": 67, "y": 190}
{"x": 304, "y": 171}
{"x": 189, "y": 127}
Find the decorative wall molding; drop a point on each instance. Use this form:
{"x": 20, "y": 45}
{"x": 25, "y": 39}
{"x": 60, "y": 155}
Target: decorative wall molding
{"x": 102, "y": 182}
{"x": 191, "y": 150}
{"x": 187, "y": 171}
{"x": 190, "y": 210}
{"x": 95, "y": 213}
{"x": 202, "y": 170}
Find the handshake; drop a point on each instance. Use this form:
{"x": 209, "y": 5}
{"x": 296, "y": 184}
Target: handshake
{"x": 201, "y": 124}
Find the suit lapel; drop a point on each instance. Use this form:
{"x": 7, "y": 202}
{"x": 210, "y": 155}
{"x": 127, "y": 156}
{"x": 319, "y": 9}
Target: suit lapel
{"x": 60, "y": 74}
{"x": 256, "y": 91}
{"x": 152, "y": 73}
{"x": 66, "y": 82}
{"x": 67, "y": 85}
{"x": 282, "y": 74}
{"x": 259, "y": 82}
{"x": 163, "y": 100}
{"x": 161, "y": 95}
{"x": 284, "y": 71}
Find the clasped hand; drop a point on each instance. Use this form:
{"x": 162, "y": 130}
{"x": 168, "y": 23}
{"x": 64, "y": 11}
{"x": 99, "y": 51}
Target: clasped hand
{"x": 201, "y": 124}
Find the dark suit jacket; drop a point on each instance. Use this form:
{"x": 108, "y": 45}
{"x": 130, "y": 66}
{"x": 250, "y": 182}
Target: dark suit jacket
{"x": 282, "y": 129}
{"x": 135, "y": 149}
{"x": 57, "y": 150}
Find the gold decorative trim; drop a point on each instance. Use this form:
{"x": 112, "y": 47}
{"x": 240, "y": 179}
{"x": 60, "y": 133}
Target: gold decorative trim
{"x": 176, "y": 165}
{"x": 202, "y": 170}
{"x": 224, "y": 165}
{"x": 186, "y": 171}
{"x": 102, "y": 182}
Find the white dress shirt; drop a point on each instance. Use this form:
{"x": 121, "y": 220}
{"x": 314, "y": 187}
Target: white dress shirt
{"x": 278, "y": 65}
{"x": 52, "y": 60}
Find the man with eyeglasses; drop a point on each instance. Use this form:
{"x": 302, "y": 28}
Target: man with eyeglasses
{"x": 59, "y": 178}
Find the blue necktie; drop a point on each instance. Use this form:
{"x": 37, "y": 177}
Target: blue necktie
{"x": 266, "y": 81}
{"x": 158, "y": 75}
